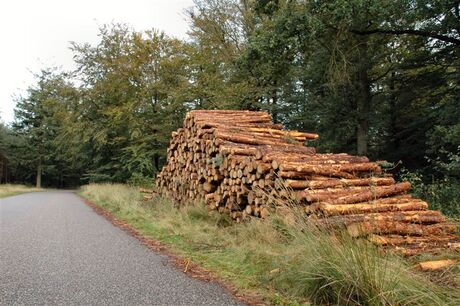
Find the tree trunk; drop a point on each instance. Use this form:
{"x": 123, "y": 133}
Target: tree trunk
{"x": 39, "y": 173}
{"x": 6, "y": 173}
{"x": 61, "y": 180}
{"x": 363, "y": 99}
{"x": 274, "y": 106}
{"x": 393, "y": 115}
{"x": 156, "y": 162}
{"x": 2, "y": 164}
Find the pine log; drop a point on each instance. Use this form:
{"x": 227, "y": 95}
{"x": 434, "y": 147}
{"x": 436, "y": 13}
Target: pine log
{"x": 334, "y": 183}
{"x": 393, "y": 227}
{"x": 263, "y": 168}
{"x": 292, "y": 163}
{"x": 334, "y": 210}
{"x": 214, "y": 112}
{"x": 144, "y": 190}
{"x": 428, "y": 249}
{"x": 284, "y": 149}
{"x": 285, "y": 133}
{"x": 397, "y": 199}
{"x": 229, "y": 121}
{"x": 210, "y": 199}
{"x": 338, "y": 195}
{"x": 208, "y": 125}
{"x": 216, "y": 116}
{"x": 324, "y": 172}
{"x": 423, "y": 216}
{"x": 264, "y": 213}
{"x": 243, "y": 138}
{"x": 236, "y": 149}
{"x": 434, "y": 265}
{"x": 304, "y": 157}
{"x": 355, "y": 196}
{"x": 398, "y": 240}
{"x": 267, "y": 133}
{"x": 325, "y": 169}
{"x": 208, "y": 187}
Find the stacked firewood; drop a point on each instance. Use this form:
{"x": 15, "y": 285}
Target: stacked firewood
{"x": 243, "y": 164}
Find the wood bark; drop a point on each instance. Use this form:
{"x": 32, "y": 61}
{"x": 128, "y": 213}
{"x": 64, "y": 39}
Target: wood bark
{"x": 400, "y": 228}
{"x": 38, "y": 181}
{"x": 434, "y": 265}
{"x": 355, "y": 195}
{"x": 398, "y": 240}
{"x": 347, "y": 209}
{"x": 330, "y": 168}
{"x": 421, "y": 217}
{"x": 334, "y": 183}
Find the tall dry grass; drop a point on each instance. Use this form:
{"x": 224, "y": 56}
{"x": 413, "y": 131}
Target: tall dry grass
{"x": 7, "y": 190}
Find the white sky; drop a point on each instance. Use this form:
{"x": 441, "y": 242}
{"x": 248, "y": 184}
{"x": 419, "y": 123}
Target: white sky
{"x": 36, "y": 33}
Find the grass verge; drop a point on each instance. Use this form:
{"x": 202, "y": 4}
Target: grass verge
{"x": 284, "y": 259}
{"x": 7, "y": 190}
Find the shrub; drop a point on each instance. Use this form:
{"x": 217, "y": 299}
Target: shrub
{"x": 441, "y": 194}
{"x": 139, "y": 180}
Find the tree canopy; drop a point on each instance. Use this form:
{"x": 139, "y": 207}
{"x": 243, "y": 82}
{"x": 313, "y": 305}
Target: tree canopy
{"x": 379, "y": 78}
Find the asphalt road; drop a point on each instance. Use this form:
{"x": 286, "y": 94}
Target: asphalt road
{"x": 55, "y": 250}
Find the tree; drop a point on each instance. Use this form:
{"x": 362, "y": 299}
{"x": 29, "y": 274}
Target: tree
{"x": 219, "y": 33}
{"x": 38, "y": 124}
{"x": 134, "y": 93}
{"x": 371, "y": 77}
{"x": 359, "y": 72}
{"x": 4, "y": 154}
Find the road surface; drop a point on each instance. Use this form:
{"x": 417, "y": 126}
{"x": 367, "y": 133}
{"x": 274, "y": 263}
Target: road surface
{"x": 54, "y": 249}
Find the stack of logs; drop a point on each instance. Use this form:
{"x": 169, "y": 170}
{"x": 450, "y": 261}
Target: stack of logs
{"x": 241, "y": 163}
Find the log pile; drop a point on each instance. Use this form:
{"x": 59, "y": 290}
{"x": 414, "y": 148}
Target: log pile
{"x": 243, "y": 164}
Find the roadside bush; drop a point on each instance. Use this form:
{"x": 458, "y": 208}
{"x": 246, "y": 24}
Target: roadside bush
{"x": 441, "y": 194}
{"x": 140, "y": 180}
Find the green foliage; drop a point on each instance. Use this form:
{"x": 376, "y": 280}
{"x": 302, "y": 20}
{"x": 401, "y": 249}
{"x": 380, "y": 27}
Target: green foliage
{"x": 134, "y": 91}
{"x": 284, "y": 259}
{"x": 135, "y": 94}
{"x": 8, "y": 141}
{"x": 371, "y": 77}
{"x": 139, "y": 180}
{"x": 40, "y": 120}
{"x": 444, "y": 148}
{"x": 441, "y": 194}
{"x": 218, "y": 33}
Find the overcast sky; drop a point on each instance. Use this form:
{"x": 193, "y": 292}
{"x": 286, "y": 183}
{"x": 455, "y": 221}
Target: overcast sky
{"x": 36, "y": 34}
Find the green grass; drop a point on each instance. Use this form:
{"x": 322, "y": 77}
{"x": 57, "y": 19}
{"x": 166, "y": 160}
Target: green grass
{"x": 284, "y": 259}
{"x": 7, "y": 190}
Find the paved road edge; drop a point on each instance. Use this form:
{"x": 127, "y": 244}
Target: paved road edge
{"x": 183, "y": 264}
